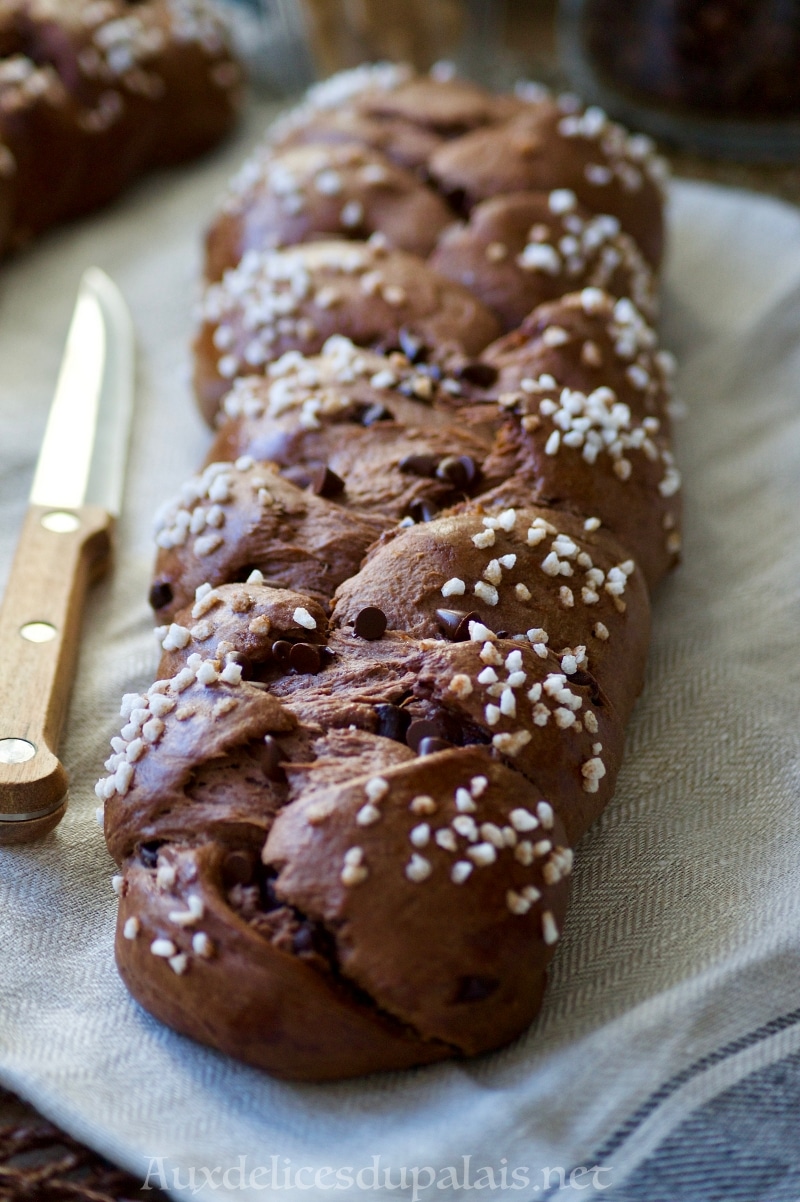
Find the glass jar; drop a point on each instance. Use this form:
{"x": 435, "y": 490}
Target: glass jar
{"x": 721, "y": 77}
{"x": 287, "y": 44}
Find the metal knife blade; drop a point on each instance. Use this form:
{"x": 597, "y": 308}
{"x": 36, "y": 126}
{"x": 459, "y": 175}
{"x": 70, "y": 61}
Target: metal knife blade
{"x": 82, "y": 459}
{"x": 65, "y": 544}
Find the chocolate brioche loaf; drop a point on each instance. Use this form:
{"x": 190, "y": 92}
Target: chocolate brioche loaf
{"x": 404, "y": 607}
{"x": 93, "y": 94}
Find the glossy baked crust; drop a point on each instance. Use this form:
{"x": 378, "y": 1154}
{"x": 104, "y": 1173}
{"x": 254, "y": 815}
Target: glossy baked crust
{"x": 404, "y": 606}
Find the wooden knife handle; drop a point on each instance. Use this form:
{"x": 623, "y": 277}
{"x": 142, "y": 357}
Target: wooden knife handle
{"x": 60, "y": 552}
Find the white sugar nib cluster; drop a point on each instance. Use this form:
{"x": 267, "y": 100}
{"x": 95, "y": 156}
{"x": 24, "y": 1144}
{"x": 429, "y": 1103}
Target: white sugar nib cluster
{"x": 448, "y": 837}
{"x": 403, "y": 608}
{"x": 148, "y": 714}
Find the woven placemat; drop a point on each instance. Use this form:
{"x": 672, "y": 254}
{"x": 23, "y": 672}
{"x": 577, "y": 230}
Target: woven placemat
{"x": 40, "y": 1163}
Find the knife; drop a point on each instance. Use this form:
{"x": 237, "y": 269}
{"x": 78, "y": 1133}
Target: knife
{"x": 64, "y": 546}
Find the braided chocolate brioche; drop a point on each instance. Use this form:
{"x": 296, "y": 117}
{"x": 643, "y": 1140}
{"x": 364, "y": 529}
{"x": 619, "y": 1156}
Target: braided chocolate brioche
{"x": 404, "y": 607}
{"x": 93, "y": 94}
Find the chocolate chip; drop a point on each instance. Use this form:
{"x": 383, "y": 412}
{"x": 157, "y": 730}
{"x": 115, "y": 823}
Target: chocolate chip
{"x": 160, "y": 594}
{"x": 305, "y": 658}
{"x": 375, "y": 413}
{"x": 462, "y": 633}
{"x": 393, "y": 722}
{"x": 422, "y": 728}
{"x": 271, "y": 757}
{"x": 370, "y": 623}
{"x": 148, "y": 854}
{"x": 281, "y": 650}
{"x": 586, "y": 680}
{"x": 457, "y": 199}
{"x": 449, "y": 621}
{"x": 303, "y": 939}
{"x": 454, "y": 623}
{"x": 238, "y": 867}
{"x": 461, "y": 471}
{"x": 244, "y": 662}
{"x": 325, "y": 483}
{"x": 482, "y": 375}
{"x": 430, "y": 745}
{"x": 419, "y": 465}
{"x": 412, "y": 346}
{"x": 475, "y": 989}
{"x": 421, "y": 511}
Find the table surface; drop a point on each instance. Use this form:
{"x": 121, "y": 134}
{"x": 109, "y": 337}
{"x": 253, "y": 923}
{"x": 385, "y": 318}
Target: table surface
{"x": 531, "y": 30}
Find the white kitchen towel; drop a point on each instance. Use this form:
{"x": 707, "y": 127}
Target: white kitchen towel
{"x": 666, "y": 1061}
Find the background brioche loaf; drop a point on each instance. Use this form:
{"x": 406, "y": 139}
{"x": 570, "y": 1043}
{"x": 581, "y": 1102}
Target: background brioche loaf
{"x": 93, "y": 94}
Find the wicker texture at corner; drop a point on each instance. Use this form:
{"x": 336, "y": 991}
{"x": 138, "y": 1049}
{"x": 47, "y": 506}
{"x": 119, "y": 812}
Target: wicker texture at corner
{"x": 39, "y": 1163}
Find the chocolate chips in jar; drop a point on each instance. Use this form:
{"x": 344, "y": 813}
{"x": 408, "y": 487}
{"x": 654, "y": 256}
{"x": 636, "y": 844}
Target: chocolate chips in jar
{"x": 716, "y": 76}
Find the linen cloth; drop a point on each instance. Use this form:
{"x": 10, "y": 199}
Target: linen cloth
{"x": 666, "y": 1061}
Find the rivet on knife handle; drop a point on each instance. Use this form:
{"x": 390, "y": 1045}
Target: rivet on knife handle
{"x": 59, "y": 553}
